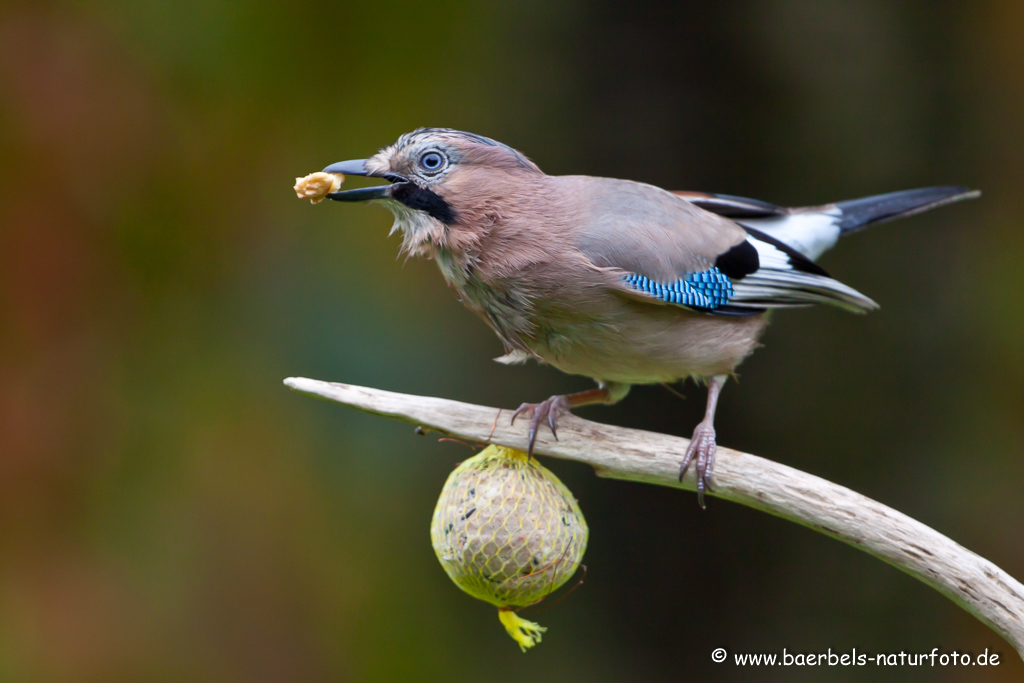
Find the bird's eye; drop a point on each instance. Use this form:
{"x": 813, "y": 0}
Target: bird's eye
{"x": 432, "y": 162}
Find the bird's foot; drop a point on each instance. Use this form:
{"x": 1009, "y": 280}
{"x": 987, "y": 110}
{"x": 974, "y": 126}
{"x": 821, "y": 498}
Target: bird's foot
{"x": 548, "y": 411}
{"x": 701, "y": 451}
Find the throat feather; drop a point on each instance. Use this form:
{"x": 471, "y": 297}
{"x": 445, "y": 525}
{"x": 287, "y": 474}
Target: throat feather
{"x": 504, "y": 306}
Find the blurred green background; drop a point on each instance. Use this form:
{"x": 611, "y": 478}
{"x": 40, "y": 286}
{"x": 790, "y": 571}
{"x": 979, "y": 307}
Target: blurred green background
{"x": 170, "y": 512}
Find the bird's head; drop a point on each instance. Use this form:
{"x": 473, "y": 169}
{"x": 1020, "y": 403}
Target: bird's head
{"x": 438, "y": 177}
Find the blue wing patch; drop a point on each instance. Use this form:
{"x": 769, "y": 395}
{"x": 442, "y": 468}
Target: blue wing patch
{"x": 707, "y": 290}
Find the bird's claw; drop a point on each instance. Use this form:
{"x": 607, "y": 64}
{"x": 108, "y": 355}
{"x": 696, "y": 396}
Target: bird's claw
{"x": 701, "y": 451}
{"x": 539, "y": 412}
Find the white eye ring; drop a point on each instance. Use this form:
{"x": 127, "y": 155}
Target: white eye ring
{"x": 433, "y": 162}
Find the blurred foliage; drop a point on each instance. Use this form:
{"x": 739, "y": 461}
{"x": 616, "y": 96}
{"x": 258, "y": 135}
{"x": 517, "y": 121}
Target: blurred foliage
{"x": 168, "y": 511}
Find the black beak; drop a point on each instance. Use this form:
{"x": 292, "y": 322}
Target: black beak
{"x": 353, "y": 167}
{"x": 358, "y": 167}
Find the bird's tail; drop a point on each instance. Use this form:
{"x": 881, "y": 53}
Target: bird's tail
{"x": 855, "y": 214}
{"x": 813, "y": 230}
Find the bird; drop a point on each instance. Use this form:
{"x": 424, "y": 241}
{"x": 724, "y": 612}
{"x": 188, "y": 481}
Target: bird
{"x": 616, "y": 280}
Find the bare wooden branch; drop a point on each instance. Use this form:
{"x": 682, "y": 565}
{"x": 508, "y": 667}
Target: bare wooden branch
{"x": 974, "y": 583}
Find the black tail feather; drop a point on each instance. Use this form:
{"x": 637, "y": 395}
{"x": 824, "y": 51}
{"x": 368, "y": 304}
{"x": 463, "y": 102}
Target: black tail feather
{"x": 860, "y": 213}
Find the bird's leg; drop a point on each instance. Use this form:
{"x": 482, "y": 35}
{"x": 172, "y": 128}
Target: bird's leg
{"x": 702, "y": 445}
{"x": 550, "y": 409}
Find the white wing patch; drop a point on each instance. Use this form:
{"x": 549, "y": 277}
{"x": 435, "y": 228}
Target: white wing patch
{"x": 770, "y": 256}
{"x": 779, "y": 282}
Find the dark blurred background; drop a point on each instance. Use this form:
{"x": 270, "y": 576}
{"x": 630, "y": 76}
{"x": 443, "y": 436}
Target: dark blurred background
{"x": 170, "y": 512}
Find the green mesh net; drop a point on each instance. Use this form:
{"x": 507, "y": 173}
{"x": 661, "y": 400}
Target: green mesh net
{"x": 508, "y": 532}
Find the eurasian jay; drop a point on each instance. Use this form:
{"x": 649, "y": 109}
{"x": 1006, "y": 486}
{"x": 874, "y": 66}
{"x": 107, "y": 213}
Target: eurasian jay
{"x": 615, "y": 280}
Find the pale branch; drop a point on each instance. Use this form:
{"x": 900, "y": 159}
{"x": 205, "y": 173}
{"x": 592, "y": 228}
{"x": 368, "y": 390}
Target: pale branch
{"x": 971, "y": 581}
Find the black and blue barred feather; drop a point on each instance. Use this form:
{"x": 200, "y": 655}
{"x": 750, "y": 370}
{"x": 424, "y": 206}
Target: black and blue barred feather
{"x": 707, "y": 290}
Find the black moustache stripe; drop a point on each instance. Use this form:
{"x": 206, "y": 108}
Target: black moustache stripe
{"x": 422, "y": 199}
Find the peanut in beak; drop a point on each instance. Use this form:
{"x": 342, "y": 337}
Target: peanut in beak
{"x": 316, "y": 186}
